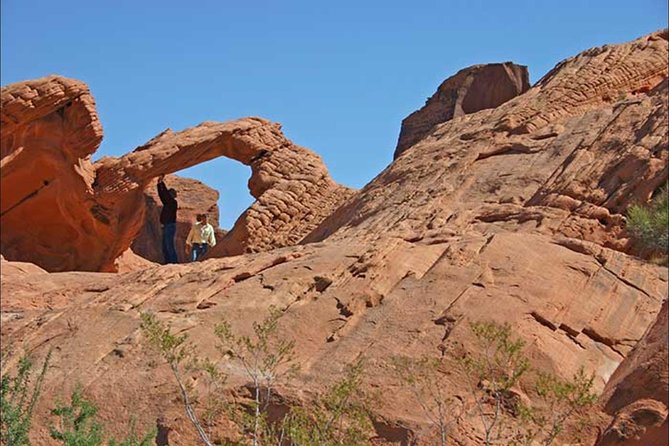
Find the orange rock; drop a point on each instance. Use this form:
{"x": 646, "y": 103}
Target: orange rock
{"x": 472, "y": 89}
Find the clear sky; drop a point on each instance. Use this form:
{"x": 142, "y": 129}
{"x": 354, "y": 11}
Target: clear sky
{"x": 339, "y": 75}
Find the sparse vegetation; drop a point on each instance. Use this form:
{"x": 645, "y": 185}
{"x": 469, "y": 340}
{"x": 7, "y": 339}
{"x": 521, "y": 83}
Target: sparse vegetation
{"x": 266, "y": 359}
{"x": 493, "y": 373}
{"x": 425, "y": 379}
{"x": 340, "y": 418}
{"x": 649, "y": 225}
{"x": 18, "y": 397}
{"x": 493, "y": 376}
{"x": 78, "y": 425}
{"x": 177, "y": 351}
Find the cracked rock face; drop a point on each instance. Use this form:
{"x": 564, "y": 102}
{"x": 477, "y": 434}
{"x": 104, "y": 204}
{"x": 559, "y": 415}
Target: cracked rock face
{"x": 512, "y": 214}
{"x": 638, "y": 393}
{"x": 62, "y": 212}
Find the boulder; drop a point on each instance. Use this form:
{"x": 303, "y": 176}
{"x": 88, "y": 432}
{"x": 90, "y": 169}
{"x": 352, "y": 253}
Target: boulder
{"x": 475, "y": 88}
{"x": 637, "y": 395}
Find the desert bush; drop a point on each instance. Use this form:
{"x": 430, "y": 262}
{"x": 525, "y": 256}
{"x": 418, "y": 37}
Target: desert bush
{"x": 18, "y": 397}
{"x": 563, "y": 399}
{"x": 339, "y": 418}
{"x": 425, "y": 379}
{"x": 648, "y": 225}
{"x": 267, "y": 359}
{"x": 492, "y": 374}
{"x": 177, "y": 351}
{"x": 78, "y": 425}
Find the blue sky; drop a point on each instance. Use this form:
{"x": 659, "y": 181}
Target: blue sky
{"x": 339, "y": 76}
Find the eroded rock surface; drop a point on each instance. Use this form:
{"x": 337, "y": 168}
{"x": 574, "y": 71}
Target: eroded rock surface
{"x": 478, "y": 221}
{"x": 638, "y": 393}
{"x": 49, "y": 130}
{"x": 470, "y": 90}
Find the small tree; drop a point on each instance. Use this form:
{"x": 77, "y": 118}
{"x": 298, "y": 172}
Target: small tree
{"x": 648, "y": 224}
{"x": 341, "y": 418}
{"x": 425, "y": 380}
{"x": 493, "y": 373}
{"x": 497, "y": 368}
{"x": 266, "y": 359}
{"x": 18, "y": 399}
{"x": 77, "y": 426}
{"x": 563, "y": 399}
{"x": 176, "y": 351}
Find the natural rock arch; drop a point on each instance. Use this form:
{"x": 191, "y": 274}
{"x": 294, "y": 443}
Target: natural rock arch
{"x": 73, "y": 214}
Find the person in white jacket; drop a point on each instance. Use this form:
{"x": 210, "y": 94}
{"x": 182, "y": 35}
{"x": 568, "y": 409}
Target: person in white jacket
{"x": 200, "y": 238}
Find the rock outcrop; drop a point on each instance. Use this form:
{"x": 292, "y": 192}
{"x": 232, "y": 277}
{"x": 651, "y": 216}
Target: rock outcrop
{"x": 63, "y": 212}
{"x": 194, "y": 197}
{"x": 637, "y": 395}
{"x": 512, "y": 214}
{"x": 49, "y": 130}
{"x": 470, "y": 90}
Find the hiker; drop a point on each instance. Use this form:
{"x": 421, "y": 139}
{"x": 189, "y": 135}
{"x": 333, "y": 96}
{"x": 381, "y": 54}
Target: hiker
{"x": 200, "y": 238}
{"x": 168, "y": 218}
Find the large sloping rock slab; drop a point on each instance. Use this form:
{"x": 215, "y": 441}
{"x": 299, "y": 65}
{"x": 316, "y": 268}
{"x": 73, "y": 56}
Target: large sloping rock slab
{"x": 63, "y": 213}
{"x": 472, "y": 89}
{"x": 570, "y": 167}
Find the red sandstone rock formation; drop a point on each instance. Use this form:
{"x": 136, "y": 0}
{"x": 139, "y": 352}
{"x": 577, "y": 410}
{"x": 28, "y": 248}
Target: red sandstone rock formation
{"x": 512, "y": 214}
{"x": 470, "y": 90}
{"x": 62, "y": 212}
{"x": 49, "y": 130}
{"x": 638, "y": 393}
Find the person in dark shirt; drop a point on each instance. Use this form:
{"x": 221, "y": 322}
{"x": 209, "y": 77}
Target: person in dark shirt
{"x": 168, "y": 218}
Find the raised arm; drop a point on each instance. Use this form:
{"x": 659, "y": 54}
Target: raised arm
{"x": 163, "y": 193}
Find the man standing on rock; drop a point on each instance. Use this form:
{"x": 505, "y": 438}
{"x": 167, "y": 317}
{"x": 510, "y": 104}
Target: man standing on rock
{"x": 168, "y": 218}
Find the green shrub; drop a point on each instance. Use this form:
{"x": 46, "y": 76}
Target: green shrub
{"x": 339, "y": 418}
{"x": 17, "y": 401}
{"x": 78, "y": 425}
{"x": 648, "y": 224}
